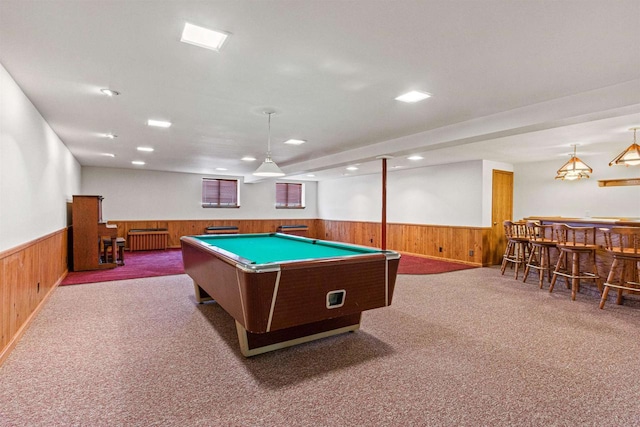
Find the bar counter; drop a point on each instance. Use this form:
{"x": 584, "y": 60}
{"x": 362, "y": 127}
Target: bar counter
{"x": 603, "y": 259}
{"x": 600, "y": 222}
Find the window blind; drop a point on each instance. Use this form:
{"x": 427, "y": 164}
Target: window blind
{"x": 288, "y": 195}
{"x": 219, "y": 193}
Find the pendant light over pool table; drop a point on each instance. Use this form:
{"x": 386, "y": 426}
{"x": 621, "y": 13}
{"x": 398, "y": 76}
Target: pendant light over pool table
{"x": 269, "y": 168}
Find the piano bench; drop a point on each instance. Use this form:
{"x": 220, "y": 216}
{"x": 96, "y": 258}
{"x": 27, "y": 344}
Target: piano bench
{"x": 107, "y": 255}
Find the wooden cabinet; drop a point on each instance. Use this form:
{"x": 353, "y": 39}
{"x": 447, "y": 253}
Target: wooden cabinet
{"x": 87, "y": 231}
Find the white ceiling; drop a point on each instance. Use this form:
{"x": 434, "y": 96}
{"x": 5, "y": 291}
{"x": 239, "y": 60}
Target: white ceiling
{"x": 512, "y": 81}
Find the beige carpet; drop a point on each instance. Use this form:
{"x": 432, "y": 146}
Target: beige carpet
{"x": 462, "y": 348}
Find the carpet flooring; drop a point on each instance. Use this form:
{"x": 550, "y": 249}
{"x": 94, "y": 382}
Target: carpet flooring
{"x": 169, "y": 262}
{"x": 467, "y": 348}
{"x": 418, "y": 265}
{"x": 136, "y": 265}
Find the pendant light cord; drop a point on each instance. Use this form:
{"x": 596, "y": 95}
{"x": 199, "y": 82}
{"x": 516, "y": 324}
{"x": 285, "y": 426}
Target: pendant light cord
{"x": 269, "y": 137}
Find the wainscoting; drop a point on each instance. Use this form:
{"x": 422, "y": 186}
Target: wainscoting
{"x": 28, "y": 274}
{"x": 464, "y": 244}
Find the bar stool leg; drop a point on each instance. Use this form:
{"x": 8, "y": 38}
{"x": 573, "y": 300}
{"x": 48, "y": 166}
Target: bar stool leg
{"x": 548, "y": 256}
{"x": 610, "y": 279}
{"x": 561, "y": 263}
{"x": 529, "y": 261}
{"x": 544, "y": 264}
{"x": 575, "y": 271}
{"x": 594, "y": 270}
{"x": 519, "y": 255}
{"x": 507, "y": 254}
{"x": 623, "y": 276}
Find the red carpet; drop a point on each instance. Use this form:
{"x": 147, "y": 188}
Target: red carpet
{"x": 137, "y": 264}
{"x": 418, "y": 265}
{"x": 169, "y": 262}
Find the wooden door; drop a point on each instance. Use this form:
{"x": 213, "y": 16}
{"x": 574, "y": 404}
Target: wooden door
{"x": 501, "y": 210}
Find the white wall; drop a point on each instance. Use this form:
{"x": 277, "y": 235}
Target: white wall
{"x": 38, "y": 174}
{"x": 443, "y": 195}
{"x": 537, "y": 193}
{"x": 138, "y": 194}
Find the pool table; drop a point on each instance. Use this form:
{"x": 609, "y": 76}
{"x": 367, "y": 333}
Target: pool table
{"x": 284, "y": 290}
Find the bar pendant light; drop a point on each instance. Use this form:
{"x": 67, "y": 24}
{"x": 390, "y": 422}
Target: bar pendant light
{"x": 574, "y": 168}
{"x": 269, "y": 168}
{"x": 630, "y": 156}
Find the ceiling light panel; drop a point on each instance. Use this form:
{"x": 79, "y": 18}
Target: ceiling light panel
{"x": 158, "y": 123}
{"x": 295, "y": 141}
{"x": 110, "y": 92}
{"x": 203, "y": 37}
{"x": 147, "y": 149}
{"x": 413, "y": 96}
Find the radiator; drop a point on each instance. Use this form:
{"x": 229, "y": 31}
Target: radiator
{"x": 145, "y": 241}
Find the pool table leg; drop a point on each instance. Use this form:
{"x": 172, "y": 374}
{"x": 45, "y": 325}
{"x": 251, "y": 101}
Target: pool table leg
{"x": 252, "y": 344}
{"x": 201, "y": 294}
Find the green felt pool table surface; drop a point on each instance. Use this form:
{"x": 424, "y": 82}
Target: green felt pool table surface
{"x": 273, "y": 248}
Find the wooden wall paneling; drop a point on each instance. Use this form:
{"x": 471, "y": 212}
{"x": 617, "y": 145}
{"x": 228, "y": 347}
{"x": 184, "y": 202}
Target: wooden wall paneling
{"x": 426, "y": 240}
{"x": 6, "y": 302}
{"x": 28, "y": 274}
{"x": 419, "y": 239}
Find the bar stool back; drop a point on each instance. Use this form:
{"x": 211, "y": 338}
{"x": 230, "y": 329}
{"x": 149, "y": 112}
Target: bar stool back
{"x": 623, "y": 243}
{"x": 517, "y": 245}
{"x": 575, "y": 241}
{"x": 541, "y": 241}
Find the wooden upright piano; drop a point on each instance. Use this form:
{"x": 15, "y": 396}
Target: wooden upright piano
{"x": 88, "y": 231}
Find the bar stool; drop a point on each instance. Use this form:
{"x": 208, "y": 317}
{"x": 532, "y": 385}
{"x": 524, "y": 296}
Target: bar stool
{"x": 575, "y": 241}
{"x": 517, "y": 245}
{"x": 541, "y": 241}
{"x": 623, "y": 243}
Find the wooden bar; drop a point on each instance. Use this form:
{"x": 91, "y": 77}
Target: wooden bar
{"x": 603, "y": 258}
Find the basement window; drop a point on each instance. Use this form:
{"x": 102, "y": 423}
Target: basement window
{"x": 289, "y": 195}
{"x": 220, "y": 193}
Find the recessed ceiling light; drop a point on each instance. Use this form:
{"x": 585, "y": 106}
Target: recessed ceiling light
{"x": 415, "y": 157}
{"x": 203, "y": 37}
{"x": 221, "y": 169}
{"x": 108, "y": 154}
{"x": 248, "y": 159}
{"x": 158, "y": 123}
{"x": 110, "y": 135}
{"x": 352, "y": 168}
{"x": 413, "y": 96}
{"x": 311, "y": 175}
{"x": 137, "y": 162}
{"x": 147, "y": 149}
{"x": 295, "y": 141}
{"x": 110, "y": 92}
